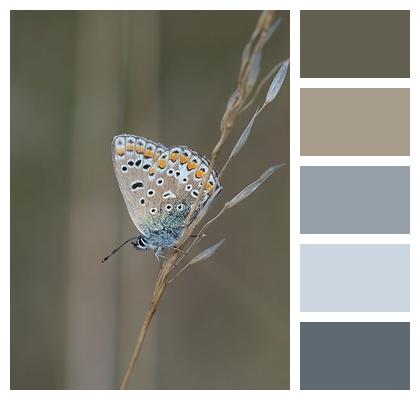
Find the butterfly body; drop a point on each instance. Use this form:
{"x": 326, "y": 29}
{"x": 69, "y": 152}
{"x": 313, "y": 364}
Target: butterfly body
{"x": 160, "y": 186}
{"x": 159, "y": 234}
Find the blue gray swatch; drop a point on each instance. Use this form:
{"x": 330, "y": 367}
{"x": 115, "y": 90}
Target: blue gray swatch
{"x": 355, "y": 277}
{"x": 355, "y": 355}
{"x": 359, "y": 200}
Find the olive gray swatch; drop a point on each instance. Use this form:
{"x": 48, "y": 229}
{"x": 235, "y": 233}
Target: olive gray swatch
{"x": 355, "y": 355}
{"x": 355, "y": 200}
{"x": 355, "y": 122}
{"x": 355, "y": 278}
{"x": 355, "y": 44}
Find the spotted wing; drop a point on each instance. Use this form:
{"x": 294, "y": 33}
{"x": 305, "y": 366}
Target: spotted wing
{"x": 179, "y": 174}
{"x": 160, "y": 185}
{"x": 133, "y": 157}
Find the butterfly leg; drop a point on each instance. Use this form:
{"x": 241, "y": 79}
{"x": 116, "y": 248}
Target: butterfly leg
{"x": 159, "y": 255}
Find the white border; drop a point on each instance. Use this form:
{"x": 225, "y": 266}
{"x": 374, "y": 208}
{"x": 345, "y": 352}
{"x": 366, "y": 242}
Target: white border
{"x": 294, "y": 199}
{"x": 354, "y": 316}
{"x": 414, "y": 199}
{"x": 333, "y": 83}
{"x": 294, "y": 6}
{"x": 5, "y": 204}
{"x": 354, "y": 239}
{"x": 354, "y": 161}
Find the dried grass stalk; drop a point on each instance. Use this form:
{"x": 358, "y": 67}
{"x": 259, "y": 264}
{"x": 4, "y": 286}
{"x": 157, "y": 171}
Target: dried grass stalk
{"x": 238, "y": 101}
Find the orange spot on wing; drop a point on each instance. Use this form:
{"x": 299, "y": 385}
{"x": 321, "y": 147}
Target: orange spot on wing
{"x": 152, "y": 171}
{"x": 191, "y": 165}
{"x": 149, "y": 153}
{"x": 200, "y": 174}
{"x": 120, "y": 151}
{"x": 139, "y": 149}
{"x": 209, "y": 186}
{"x": 161, "y": 163}
{"x": 130, "y": 146}
{"x": 184, "y": 159}
{"x": 174, "y": 157}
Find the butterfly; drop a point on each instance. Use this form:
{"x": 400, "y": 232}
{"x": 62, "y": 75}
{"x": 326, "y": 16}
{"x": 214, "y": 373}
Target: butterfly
{"x": 159, "y": 186}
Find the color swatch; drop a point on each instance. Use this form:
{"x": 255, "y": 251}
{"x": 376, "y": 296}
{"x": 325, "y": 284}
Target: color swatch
{"x": 355, "y": 122}
{"x": 355, "y": 355}
{"x": 355, "y": 278}
{"x": 355, "y": 44}
{"x": 355, "y": 199}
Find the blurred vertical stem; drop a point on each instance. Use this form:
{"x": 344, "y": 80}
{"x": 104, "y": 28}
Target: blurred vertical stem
{"x": 157, "y": 295}
{"x": 248, "y": 75}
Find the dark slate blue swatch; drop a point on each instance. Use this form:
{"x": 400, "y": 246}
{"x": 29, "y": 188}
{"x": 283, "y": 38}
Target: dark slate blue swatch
{"x": 355, "y": 355}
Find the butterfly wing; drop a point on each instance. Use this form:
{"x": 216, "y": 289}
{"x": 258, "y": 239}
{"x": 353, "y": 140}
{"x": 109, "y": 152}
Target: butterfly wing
{"x": 179, "y": 174}
{"x": 132, "y": 157}
{"x": 160, "y": 185}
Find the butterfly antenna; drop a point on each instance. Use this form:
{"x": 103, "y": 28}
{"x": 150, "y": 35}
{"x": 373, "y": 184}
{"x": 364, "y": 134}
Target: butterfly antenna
{"x": 118, "y": 248}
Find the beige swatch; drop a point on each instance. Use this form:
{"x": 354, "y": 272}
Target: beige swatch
{"x": 355, "y": 122}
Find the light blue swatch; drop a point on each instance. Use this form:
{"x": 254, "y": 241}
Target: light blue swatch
{"x": 355, "y": 277}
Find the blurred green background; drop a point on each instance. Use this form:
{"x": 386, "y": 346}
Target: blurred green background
{"x": 77, "y": 79}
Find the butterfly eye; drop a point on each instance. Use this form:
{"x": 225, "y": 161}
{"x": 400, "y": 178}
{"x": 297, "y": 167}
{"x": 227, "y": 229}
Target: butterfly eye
{"x": 131, "y": 163}
{"x": 185, "y": 180}
{"x": 124, "y": 168}
{"x": 170, "y": 171}
{"x": 168, "y": 207}
{"x": 138, "y": 162}
{"x": 159, "y": 182}
{"x": 146, "y": 166}
{"x": 194, "y": 193}
{"x": 188, "y": 188}
{"x": 153, "y": 210}
{"x": 142, "y": 201}
{"x": 150, "y": 192}
{"x": 141, "y": 243}
{"x": 180, "y": 207}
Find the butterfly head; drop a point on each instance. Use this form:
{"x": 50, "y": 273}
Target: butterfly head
{"x": 140, "y": 243}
